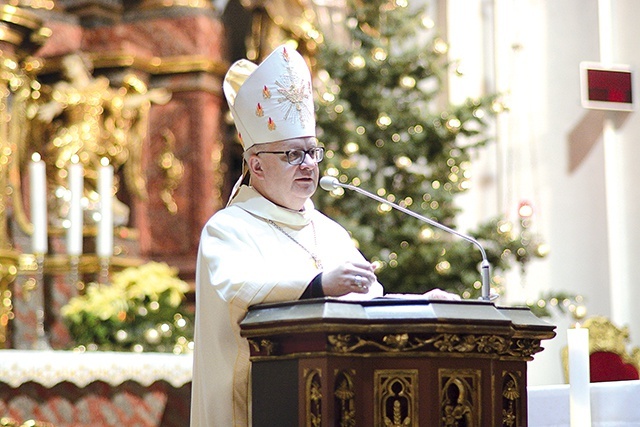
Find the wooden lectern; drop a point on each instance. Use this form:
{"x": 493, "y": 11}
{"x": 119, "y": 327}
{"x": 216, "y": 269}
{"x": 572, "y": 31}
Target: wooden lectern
{"x": 391, "y": 362}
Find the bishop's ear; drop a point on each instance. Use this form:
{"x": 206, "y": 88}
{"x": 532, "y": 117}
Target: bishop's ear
{"x": 255, "y": 166}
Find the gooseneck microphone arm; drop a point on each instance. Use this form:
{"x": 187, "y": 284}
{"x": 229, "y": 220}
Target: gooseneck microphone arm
{"x": 330, "y": 183}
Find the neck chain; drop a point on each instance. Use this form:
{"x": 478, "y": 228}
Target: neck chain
{"x": 315, "y": 257}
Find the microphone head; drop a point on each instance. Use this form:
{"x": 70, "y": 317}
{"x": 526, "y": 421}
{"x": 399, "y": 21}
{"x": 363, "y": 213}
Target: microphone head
{"x": 329, "y": 183}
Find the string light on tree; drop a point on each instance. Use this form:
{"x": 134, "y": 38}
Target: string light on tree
{"x": 406, "y": 150}
{"x": 357, "y": 62}
{"x": 525, "y": 209}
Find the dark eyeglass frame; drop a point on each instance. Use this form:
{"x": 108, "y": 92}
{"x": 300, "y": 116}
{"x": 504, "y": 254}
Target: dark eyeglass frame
{"x": 316, "y": 154}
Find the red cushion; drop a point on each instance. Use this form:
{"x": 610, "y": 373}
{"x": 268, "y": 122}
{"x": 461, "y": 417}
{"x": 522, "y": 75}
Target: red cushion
{"x": 606, "y": 366}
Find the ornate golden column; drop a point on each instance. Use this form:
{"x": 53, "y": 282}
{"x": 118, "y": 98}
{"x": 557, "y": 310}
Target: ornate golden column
{"x": 21, "y": 33}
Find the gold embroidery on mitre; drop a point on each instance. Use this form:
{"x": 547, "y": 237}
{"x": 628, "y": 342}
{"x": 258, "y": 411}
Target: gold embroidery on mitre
{"x": 285, "y": 54}
{"x": 259, "y": 110}
{"x": 271, "y": 125}
{"x": 266, "y": 93}
{"x": 295, "y": 92}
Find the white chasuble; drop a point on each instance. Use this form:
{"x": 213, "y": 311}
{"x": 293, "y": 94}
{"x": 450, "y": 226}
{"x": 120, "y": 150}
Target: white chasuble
{"x": 252, "y": 252}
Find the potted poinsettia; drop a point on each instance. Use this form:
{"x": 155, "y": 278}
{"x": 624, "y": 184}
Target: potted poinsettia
{"x": 142, "y": 309}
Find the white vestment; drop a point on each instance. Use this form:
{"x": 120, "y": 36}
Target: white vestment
{"x": 245, "y": 260}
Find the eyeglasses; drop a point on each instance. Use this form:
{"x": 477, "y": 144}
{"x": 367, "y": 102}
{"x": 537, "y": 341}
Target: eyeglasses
{"x": 296, "y": 157}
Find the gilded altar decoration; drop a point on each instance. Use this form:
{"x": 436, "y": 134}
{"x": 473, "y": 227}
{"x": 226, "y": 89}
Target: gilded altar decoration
{"x": 173, "y": 170}
{"x": 396, "y": 397}
{"x": 8, "y": 272}
{"x": 344, "y": 395}
{"x": 277, "y": 20}
{"x": 161, "y": 4}
{"x": 17, "y": 85}
{"x": 21, "y": 33}
{"x": 83, "y": 117}
{"x": 460, "y": 397}
{"x": 313, "y": 397}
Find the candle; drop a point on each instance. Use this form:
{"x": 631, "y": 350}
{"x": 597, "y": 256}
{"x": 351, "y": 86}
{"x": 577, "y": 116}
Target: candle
{"x": 105, "y": 226}
{"x": 38, "y": 202}
{"x": 579, "y": 377}
{"x": 76, "y": 188}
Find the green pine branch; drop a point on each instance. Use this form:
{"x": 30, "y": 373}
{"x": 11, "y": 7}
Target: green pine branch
{"x": 384, "y": 125}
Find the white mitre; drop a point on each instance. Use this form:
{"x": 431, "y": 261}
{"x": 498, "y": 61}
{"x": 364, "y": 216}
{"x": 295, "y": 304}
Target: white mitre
{"x": 272, "y": 101}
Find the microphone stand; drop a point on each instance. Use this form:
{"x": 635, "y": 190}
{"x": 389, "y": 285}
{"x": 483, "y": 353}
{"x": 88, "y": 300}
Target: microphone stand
{"x": 329, "y": 183}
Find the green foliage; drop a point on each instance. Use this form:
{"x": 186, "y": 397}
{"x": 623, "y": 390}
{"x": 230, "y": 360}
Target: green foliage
{"x": 560, "y": 302}
{"x": 140, "y": 310}
{"x": 387, "y": 129}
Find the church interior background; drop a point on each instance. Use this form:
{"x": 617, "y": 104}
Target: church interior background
{"x": 129, "y": 93}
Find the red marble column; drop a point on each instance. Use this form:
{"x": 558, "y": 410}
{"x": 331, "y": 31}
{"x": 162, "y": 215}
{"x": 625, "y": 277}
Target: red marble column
{"x": 191, "y": 50}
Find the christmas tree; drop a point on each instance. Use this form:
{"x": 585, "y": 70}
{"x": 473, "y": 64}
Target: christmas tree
{"x": 387, "y": 129}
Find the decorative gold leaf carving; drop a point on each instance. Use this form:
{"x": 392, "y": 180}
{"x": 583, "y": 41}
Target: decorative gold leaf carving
{"x": 396, "y": 397}
{"x": 449, "y": 343}
{"x": 460, "y": 397}
{"x": 511, "y": 398}
{"x": 345, "y": 400}
{"x": 313, "y": 397}
{"x": 263, "y": 346}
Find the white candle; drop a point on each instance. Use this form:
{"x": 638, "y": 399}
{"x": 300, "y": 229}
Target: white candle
{"x": 579, "y": 377}
{"x": 38, "y": 202}
{"x": 105, "y": 226}
{"x": 76, "y": 188}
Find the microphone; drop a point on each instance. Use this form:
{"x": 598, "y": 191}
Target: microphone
{"x": 330, "y": 183}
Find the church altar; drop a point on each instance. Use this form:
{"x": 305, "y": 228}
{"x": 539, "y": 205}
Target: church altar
{"x": 613, "y": 404}
{"x": 153, "y": 389}
{"x": 71, "y": 389}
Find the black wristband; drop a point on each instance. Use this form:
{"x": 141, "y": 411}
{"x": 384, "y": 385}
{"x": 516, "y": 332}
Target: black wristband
{"x": 314, "y": 289}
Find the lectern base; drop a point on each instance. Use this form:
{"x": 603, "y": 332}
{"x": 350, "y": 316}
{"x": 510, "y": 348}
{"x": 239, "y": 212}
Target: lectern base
{"x": 275, "y": 393}
{"x": 391, "y": 363}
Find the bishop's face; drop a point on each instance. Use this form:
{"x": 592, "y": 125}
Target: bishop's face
{"x": 285, "y": 184}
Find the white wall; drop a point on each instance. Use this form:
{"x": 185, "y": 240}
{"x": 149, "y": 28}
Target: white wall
{"x": 625, "y": 49}
{"x": 533, "y": 54}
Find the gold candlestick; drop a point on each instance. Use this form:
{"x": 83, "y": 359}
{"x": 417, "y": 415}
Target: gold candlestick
{"x": 42, "y": 339}
{"x": 74, "y": 272}
{"x": 105, "y": 263}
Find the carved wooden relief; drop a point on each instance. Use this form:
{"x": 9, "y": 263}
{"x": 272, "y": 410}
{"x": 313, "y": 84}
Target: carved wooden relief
{"x": 264, "y": 347}
{"x": 511, "y": 399}
{"x": 313, "y": 397}
{"x": 344, "y": 395}
{"x": 396, "y": 397}
{"x": 460, "y": 397}
{"x": 440, "y": 343}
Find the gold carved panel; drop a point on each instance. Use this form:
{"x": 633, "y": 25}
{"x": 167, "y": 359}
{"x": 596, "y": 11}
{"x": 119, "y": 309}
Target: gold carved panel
{"x": 511, "y": 399}
{"x": 263, "y": 347}
{"x": 396, "y": 397}
{"x": 438, "y": 343}
{"x": 313, "y": 397}
{"x": 345, "y": 399}
{"x": 460, "y": 397}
